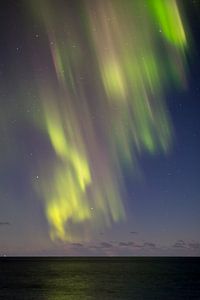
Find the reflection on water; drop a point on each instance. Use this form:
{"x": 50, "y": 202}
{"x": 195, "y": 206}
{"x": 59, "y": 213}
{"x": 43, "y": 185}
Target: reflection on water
{"x": 105, "y": 278}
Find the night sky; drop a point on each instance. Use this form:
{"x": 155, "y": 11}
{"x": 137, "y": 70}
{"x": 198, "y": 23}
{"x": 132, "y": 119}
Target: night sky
{"x": 100, "y": 127}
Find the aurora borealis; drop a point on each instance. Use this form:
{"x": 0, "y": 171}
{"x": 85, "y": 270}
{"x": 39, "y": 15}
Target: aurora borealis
{"x": 92, "y": 81}
{"x": 128, "y": 78}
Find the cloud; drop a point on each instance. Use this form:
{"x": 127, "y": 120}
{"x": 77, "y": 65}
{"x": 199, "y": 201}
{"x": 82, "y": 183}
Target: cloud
{"x": 180, "y": 244}
{"x": 102, "y": 245}
{"x": 4, "y": 223}
{"x": 77, "y": 244}
{"x": 133, "y": 232}
{"x": 135, "y": 245}
{"x": 138, "y": 246}
{"x": 94, "y": 247}
{"x": 149, "y": 245}
{"x": 194, "y": 245}
{"x": 126, "y": 244}
{"x": 106, "y": 245}
{"x": 131, "y": 247}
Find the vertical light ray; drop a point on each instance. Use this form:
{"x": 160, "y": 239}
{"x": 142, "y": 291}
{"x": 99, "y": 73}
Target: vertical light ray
{"x": 111, "y": 67}
{"x": 167, "y": 15}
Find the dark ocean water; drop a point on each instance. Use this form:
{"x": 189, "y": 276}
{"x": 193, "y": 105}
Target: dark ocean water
{"x": 99, "y": 278}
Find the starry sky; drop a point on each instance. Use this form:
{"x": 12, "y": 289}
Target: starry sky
{"x": 100, "y": 127}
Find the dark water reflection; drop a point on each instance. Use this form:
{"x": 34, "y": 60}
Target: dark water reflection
{"x": 93, "y": 278}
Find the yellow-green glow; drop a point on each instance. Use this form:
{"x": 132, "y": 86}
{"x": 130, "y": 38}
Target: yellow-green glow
{"x": 70, "y": 180}
{"x": 169, "y": 21}
{"x": 107, "y": 106}
{"x": 113, "y": 80}
{"x": 66, "y": 151}
{"x": 66, "y": 205}
{"x": 71, "y": 195}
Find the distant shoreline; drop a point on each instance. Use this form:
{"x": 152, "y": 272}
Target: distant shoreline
{"x": 98, "y": 258}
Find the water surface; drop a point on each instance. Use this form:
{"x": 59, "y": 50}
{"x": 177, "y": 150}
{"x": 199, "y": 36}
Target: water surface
{"x": 99, "y": 278}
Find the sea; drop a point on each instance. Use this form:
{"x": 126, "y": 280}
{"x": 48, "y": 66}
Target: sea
{"x": 101, "y": 278}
